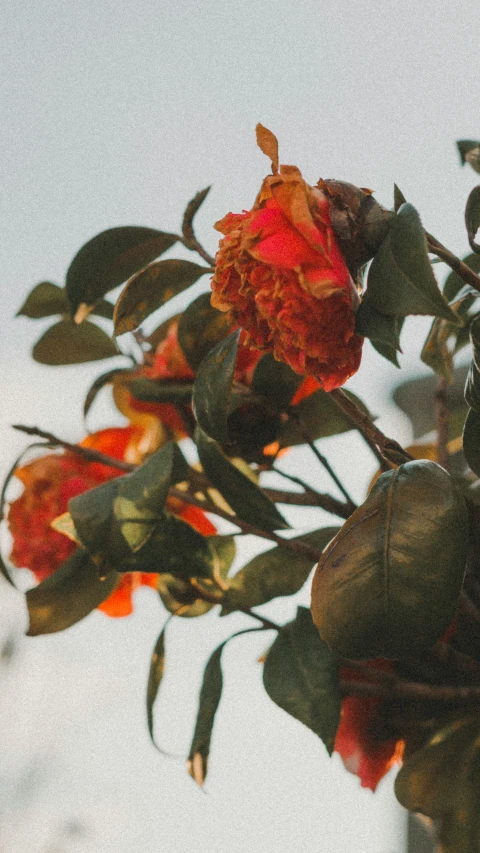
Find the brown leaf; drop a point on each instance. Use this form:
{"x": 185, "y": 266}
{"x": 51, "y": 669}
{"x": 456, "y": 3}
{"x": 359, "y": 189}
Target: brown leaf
{"x": 268, "y": 143}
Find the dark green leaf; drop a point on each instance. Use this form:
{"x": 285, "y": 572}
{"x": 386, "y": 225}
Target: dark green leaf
{"x": 155, "y": 675}
{"x": 175, "y": 548}
{"x": 210, "y": 696}
{"x": 275, "y": 572}
{"x": 191, "y": 209}
{"x": 388, "y": 584}
{"x": 68, "y": 595}
{"x": 244, "y": 497}
{"x": 400, "y": 278}
{"x": 141, "y": 495}
{"x": 44, "y": 300}
{"x": 100, "y": 382}
{"x": 437, "y": 352}
{"x": 454, "y": 283}
{"x": 382, "y": 329}
{"x": 201, "y": 328}
{"x": 92, "y": 514}
{"x": 469, "y": 152}
{"x": 471, "y": 441}
{"x": 416, "y": 398}
{"x": 160, "y": 333}
{"x": 316, "y": 416}
{"x": 398, "y": 198}
{"x": 151, "y": 288}
{"x": 301, "y": 676}
{"x": 153, "y": 391}
{"x": 67, "y": 342}
{"x": 472, "y": 385}
{"x": 109, "y": 259}
{"x": 276, "y": 381}
{"x": 213, "y": 387}
{"x": 181, "y": 598}
{"x": 472, "y": 218}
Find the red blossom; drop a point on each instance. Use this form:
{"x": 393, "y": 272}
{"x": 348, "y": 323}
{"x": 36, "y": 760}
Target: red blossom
{"x": 360, "y": 741}
{"x": 281, "y": 274}
{"x": 50, "y": 482}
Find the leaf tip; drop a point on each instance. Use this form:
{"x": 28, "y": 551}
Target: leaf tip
{"x": 197, "y": 768}
{"x": 82, "y": 312}
{"x": 268, "y": 144}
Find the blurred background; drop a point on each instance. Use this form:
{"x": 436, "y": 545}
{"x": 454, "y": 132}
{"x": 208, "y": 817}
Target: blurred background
{"x": 117, "y": 114}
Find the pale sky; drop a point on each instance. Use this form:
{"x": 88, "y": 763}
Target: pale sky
{"x": 116, "y": 113}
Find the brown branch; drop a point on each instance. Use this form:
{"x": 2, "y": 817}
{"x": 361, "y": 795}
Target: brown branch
{"x": 326, "y": 502}
{"x": 391, "y": 451}
{"x": 458, "y": 266}
{"x": 86, "y": 452}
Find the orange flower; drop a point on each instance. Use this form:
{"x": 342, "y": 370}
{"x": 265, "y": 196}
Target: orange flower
{"x": 280, "y": 272}
{"x": 364, "y": 749}
{"x": 50, "y": 482}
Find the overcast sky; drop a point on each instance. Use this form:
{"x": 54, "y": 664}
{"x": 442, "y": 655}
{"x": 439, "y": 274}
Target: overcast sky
{"x": 116, "y": 113}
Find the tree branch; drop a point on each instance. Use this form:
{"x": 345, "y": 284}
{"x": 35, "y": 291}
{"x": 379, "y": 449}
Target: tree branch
{"x": 458, "y": 266}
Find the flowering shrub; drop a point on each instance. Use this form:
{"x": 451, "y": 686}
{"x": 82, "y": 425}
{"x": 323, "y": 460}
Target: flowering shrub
{"x": 384, "y": 667}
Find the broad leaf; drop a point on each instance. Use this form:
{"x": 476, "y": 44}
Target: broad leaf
{"x": 388, "y": 584}
{"x": 138, "y": 505}
{"x": 316, "y": 416}
{"x": 109, "y": 259}
{"x": 276, "y": 381}
{"x": 382, "y": 329}
{"x": 472, "y": 218}
{"x": 151, "y": 288}
{"x": 181, "y": 598}
{"x": 400, "y": 278}
{"x": 471, "y": 441}
{"x": 244, "y": 497}
{"x": 69, "y": 343}
{"x": 275, "y": 572}
{"x": 44, "y": 300}
{"x": 92, "y": 514}
{"x": 175, "y": 548}
{"x": 469, "y": 150}
{"x": 454, "y": 283}
{"x": 200, "y": 329}
{"x": 68, "y": 595}
{"x": 213, "y": 387}
{"x": 301, "y": 676}
{"x": 398, "y": 198}
{"x": 416, "y": 398}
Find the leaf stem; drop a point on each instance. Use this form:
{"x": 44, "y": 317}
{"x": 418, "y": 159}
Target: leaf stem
{"x": 392, "y": 453}
{"x": 458, "y": 266}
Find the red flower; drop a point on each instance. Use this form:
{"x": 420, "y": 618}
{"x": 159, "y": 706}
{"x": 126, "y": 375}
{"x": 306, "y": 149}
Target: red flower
{"x": 50, "y": 482}
{"x": 359, "y": 741}
{"x": 280, "y": 272}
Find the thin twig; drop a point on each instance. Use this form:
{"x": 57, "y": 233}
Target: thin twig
{"x": 442, "y": 416}
{"x": 86, "y": 452}
{"x": 403, "y": 689}
{"x": 458, "y": 266}
{"x": 392, "y": 452}
{"x": 326, "y": 502}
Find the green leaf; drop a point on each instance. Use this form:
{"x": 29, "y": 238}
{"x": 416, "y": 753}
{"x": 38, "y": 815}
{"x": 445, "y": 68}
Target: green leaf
{"x": 100, "y": 382}
{"x": 382, "y": 329}
{"x": 200, "y": 329}
{"x": 398, "y": 198}
{"x": 400, "y": 278}
{"x": 181, "y": 598}
{"x": 68, "y": 595}
{"x": 471, "y": 441}
{"x": 416, "y": 398}
{"x": 316, "y": 416}
{"x": 275, "y": 572}
{"x": 175, "y": 548}
{"x": 191, "y": 209}
{"x": 210, "y": 696}
{"x": 153, "y": 391}
{"x": 276, "y": 381}
{"x": 388, "y": 584}
{"x": 67, "y": 342}
{"x": 472, "y": 385}
{"x": 454, "y": 283}
{"x": 469, "y": 150}
{"x": 151, "y": 288}
{"x": 92, "y": 514}
{"x": 301, "y": 676}
{"x": 109, "y": 259}
{"x": 213, "y": 387}
{"x": 155, "y": 675}
{"x": 44, "y": 300}
{"x": 160, "y": 333}
{"x": 472, "y": 218}
{"x": 436, "y": 352}
{"x": 141, "y": 495}
{"x": 244, "y": 497}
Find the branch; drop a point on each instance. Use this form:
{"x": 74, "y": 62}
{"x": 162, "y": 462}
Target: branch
{"x": 458, "y": 266}
{"x": 86, "y": 452}
{"x": 391, "y": 451}
{"x": 326, "y": 502}
{"x": 403, "y": 689}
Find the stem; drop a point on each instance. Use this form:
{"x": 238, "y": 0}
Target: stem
{"x": 352, "y": 506}
{"x": 403, "y": 689}
{"x": 326, "y": 502}
{"x": 194, "y": 246}
{"x": 442, "y": 419}
{"x": 458, "y": 266}
{"x": 214, "y": 598}
{"x": 86, "y": 452}
{"x": 392, "y": 452}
